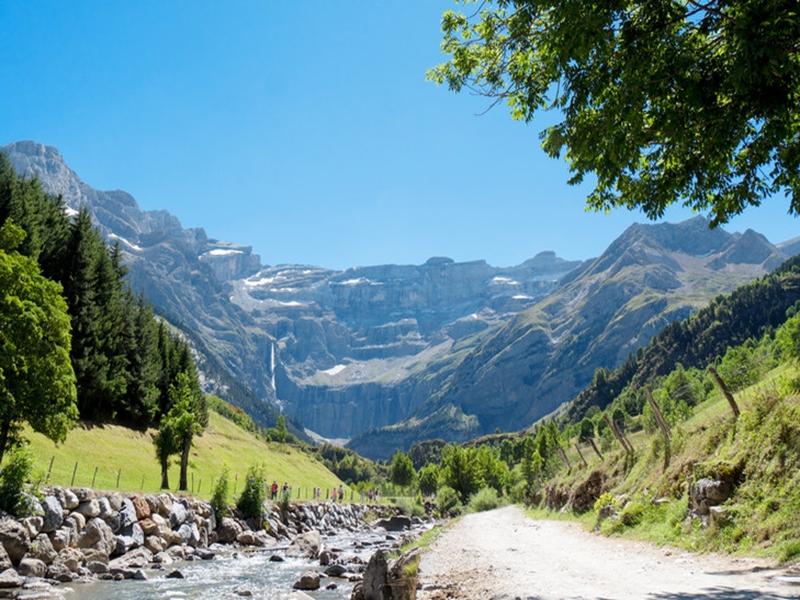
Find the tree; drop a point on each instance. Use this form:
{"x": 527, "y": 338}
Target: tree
{"x": 165, "y": 445}
{"x": 586, "y": 434}
{"x": 428, "y": 480}
{"x": 37, "y": 383}
{"x": 661, "y": 100}
{"x": 184, "y": 420}
{"x": 401, "y": 469}
{"x": 460, "y": 471}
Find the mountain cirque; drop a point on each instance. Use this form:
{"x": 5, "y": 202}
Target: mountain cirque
{"x": 392, "y": 354}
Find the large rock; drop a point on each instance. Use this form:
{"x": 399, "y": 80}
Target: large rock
{"x": 142, "y": 507}
{"x": 15, "y": 539}
{"x": 133, "y": 538}
{"x": 9, "y": 579}
{"x": 705, "y": 493}
{"x": 70, "y": 558}
{"x": 5, "y": 561}
{"x": 32, "y": 567}
{"x": 374, "y": 586}
{"x": 135, "y": 559}
{"x": 42, "y": 549}
{"x": 306, "y": 544}
{"x": 394, "y": 523}
{"x": 189, "y": 533}
{"x": 61, "y": 538}
{"x": 127, "y": 514}
{"x": 53, "y": 514}
{"x": 308, "y": 581}
{"x": 71, "y": 501}
{"x": 89, "y": 508}
{"x": 177, "y": 515}
{"x": 98, "y": 535}
{"x": 228, "y": 530}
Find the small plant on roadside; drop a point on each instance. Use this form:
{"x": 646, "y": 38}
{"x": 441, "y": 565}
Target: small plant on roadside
{"x": 410, "y": 506}
{"x": 484, "y": 499}
{"x": 448, "y": 502}
{"x": 219, "y": 499}
{"x": 251, "y": 502}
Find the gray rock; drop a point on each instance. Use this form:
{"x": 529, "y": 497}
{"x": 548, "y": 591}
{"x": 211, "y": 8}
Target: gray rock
{"x": 189, "y": 534}
{"x": 32, "y": 567}
{"x": 76, "y": 522}
{"x": 335, "y": 570}
{"x": 61, "y": 538}
{"x": 71, "y": 501}
{"x": 140, "y": 575}
{"x": 308, "y": 581}
{"x": 89, "y": 508}
{"x": 127, "y": 514}
{"x": 177, "y": 515}
{"x": 5, "y": 561}
{"x": 33, "y": 525}
{"x": 98, "y": 535}
{"x": 15, "y": 539}
{"x": 70, "y": 558}
{"x": 135, "y": 559}
{"x": 9, "y": 579}
{"x": 705, "y": 493}
{"x": 59, "y": 572}
{"x": 97, "y": 567}
{"x": 53, "y": 514}
{"x": 276, "y": 558}
{"x": 228, "y": 530}
{"x": 307, "y": 544}
{"x": 395, "y": 523}
{"x": 176, "y": 574}
{"x": 42, "y": 549}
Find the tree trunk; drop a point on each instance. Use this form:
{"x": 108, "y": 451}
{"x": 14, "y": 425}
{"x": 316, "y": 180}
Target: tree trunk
{"x": 187, "y": 446}
{"x": 4, "y": 431}
{"x": 723, "y": 387}
{"x": 595, "y": 448}
{"x": 165, "y": 474}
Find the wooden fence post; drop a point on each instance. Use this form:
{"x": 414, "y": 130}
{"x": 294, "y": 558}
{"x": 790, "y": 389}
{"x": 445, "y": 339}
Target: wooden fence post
{"x": 74, "y": 471}
{"x": 94, "y": 477}
{"x": 564, "y": 458}
{"x": 725, "y": 391}
{"x": 235, "y": 483}
{"x": 618, "y": 434}
{"x": 662, "y": 423}
{"x": 50, "y": 469}
{"x": 580, "y": 454}
{"x": 119, "y": 472}
{"x": 142, "y": 486}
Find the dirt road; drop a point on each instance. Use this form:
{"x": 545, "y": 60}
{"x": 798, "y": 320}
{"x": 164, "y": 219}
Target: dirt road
{"x": 502, "y": 554}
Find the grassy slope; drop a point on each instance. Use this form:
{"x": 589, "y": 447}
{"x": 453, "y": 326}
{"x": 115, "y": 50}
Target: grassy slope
{"x": 111, "y": 447}
{"x": 764, "y": 444}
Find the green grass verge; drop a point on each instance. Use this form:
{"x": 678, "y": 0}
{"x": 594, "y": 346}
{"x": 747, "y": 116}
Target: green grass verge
{"x": 114, "y": 450}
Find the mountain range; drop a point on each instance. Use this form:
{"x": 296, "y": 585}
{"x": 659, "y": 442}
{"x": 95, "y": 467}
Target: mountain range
{"x": 388, "y": 355}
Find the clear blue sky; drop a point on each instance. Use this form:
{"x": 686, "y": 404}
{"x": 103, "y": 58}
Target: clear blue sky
{"x": 304, "y": 128}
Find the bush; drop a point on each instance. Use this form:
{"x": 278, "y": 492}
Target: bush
{"x": 632, "y": 514}
{"x": 251, "y": 502}
{"x": 410, "y": 506}
{"x": 13, "y": 476}
{"x": 485, "y": 499}
{"x": 448, "y": 502}
{"x": 219, "y": 499}
{"x": 428, "y": 479}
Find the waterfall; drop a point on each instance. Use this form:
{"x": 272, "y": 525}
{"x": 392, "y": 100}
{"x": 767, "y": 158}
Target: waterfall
{"x": 272, "y": 369}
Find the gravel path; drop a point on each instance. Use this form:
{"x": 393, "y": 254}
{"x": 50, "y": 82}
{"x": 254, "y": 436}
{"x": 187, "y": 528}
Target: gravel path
{"x": 502, "y": 554}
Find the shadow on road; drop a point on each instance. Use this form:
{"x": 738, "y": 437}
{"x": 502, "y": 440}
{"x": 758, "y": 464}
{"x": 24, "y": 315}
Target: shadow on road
{"x": 721, "y": 593}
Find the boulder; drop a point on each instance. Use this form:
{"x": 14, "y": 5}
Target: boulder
{"x": 115, "y": 500}
{"x": 42, "y": 549}
{"x": 33, "y": 525}
{"x": 98, "y": 535}
{"x": 175, "y": 575}
{"x": 70, "y": 558}
{"x": 53, "y": 514}
{"x": 308, "y": 581}
{"x": 97, "y": 567}
{"x": 71, "y": 501}
{"x": 324, "y": 558}
{"x": 376, "y": 578}
{"x": 177, "y": 515}
{"x": 149, "y": 526}
{"x": 106, "y": 512}
{"x": 164, "y": 505}
{"x": 84, "y": 494}
{"x": 89, "y": 508}
{"x": 706, "y": 492}
{"x": 32, "y": 567}
{"x": 135, "y": 559}
{"x": 306, "y": 544}
{"x": 131, "y": 538}
{"x": 190, "y": 535}
{"x": 61, "y": 538}
{"x": 155, "y": 544}
{"x": 59, "y": 572}
{"x": 394, "y": 523}
{"x": 90, "y": 554}
{"x": 5, "y": 561}
{"x": 9, "y": 579}
{"x": 228, "y": 530}
{"x": 76, "y": 522}
{"x": 15, "y": 539}
{"x": 127, "y": 514}
{"x": 142, "y": 507}
{"x": 335, "y": 570}
{"x": 403, "y": 576}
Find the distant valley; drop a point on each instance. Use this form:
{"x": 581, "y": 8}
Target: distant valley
{"x": 387, "y": 355}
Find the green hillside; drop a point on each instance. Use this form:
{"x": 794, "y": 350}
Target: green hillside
{"x": 112, "y": 449}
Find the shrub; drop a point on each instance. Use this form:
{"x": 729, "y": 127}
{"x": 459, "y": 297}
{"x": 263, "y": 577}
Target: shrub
{"x": 605, "y": 499}
{"x": 410, "y": 506}
{"x": 484, "y": 499}
{"x": 13, "y": 476}
{"x": 448, "y": 502}
{"x": 251, "y": 502}
{"x": 219, "y": 499}
{"x": 632, "y": 514}
{"x": 428, "y": 479}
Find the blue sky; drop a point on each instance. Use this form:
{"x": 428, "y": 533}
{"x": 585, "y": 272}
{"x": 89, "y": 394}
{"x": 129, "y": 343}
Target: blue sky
{"x": 304, "y": 128}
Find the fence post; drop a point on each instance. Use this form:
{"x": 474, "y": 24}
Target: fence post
{"x": 50, "y": 469}
{"x": 564, "y": 458}
{"x": 662, "y": 424}
{"x": 725, "y": 391}
{"x": 142, "y": 486}
{"x": 74, "y": 471}
{"x": 192, "y": 482}
{"x": 580, "y": 454}
{"x": 94, "y": 476}
{"x": 119, "y": 472}
{"x": 235, "y": 483}
{"x": 199, "y": 484}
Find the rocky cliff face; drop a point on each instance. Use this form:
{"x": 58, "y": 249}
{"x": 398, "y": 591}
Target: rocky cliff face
{"x": 650, "y": 276}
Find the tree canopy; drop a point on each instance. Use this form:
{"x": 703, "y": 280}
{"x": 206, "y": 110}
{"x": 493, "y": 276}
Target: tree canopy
{"x": 37, "y": 383}
{"x": 661, "y": 100}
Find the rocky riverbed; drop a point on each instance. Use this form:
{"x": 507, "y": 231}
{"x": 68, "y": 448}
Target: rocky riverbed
{"x": 86, "y": 544}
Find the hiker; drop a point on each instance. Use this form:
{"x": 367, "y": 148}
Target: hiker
{"x": 333, "y": 495}
{"x": 341, "y": 493}
{"x": 285, "y": 493}
{"x": 274, "y": 490}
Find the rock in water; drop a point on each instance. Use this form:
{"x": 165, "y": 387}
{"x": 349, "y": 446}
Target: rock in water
{"x": 308, "y": 581}
{"x": 395, "y": 523}
{"x": 307, "y": 544}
